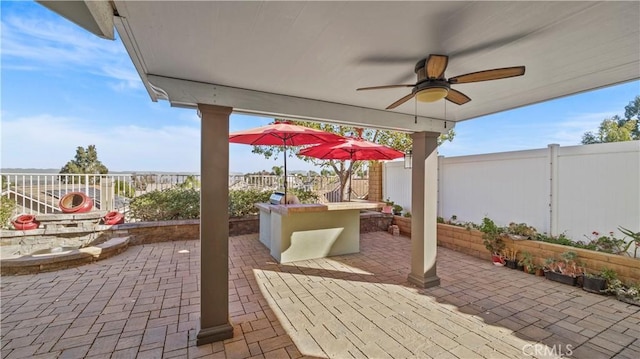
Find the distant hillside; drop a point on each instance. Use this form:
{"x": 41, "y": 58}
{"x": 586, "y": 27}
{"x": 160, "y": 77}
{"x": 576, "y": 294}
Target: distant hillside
{"x": 56, "y": 170}
{"x": 30, "y": 170}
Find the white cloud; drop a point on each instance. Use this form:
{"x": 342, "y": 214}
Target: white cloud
{"x": 39, "y": 44}
{"x": 570, "y": 132}
{"x": 47, "y": 141}
{"x": 503, "y": 134}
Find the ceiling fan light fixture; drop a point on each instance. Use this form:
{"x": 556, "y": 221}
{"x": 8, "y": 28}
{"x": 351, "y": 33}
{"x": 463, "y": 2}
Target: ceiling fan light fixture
{"x": 432, "y": 94}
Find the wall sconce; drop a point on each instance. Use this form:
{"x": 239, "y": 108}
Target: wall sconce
{"x": 408, "y": 159}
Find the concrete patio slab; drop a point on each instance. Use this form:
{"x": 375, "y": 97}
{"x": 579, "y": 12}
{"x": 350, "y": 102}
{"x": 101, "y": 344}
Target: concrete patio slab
{"x": 145, "y": 303}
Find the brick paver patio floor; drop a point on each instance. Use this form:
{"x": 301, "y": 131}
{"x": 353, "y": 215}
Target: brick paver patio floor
{"x": 145, "y": 303}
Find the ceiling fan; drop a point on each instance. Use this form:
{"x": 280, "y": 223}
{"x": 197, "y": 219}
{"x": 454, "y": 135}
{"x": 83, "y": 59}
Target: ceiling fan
{"x": 433, "y": 86}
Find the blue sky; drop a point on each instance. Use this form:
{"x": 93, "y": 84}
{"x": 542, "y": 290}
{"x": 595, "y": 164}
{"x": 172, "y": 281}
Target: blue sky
{"x": 63, "y": 87}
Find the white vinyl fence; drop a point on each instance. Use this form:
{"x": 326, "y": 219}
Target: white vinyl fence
{"x": 573, "y": 190}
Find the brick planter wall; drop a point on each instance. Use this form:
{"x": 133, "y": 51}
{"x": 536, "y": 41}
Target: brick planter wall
{"x": 162, "y": 231}
{"x": 372, "y": 221}
{"x": 404, "y": 224}
{"x": 244, "y": 225}
{"x": 470, "y": 242}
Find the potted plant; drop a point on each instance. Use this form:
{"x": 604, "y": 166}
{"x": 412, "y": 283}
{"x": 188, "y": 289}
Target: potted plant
{"x": 407, "y": 214}
{"x": 527, "y": 263}
{"x": 397, "y": 209}
{"x": 629, "y": 294}
{"x": 520, "y": 231}
{"x": 492, "y": 240}
{"x": 566, "y": 270}
{"x": 635, "y": 240}
{"x": 388, "y": 206}
{"x": 597, "y": 283}
{"x": 510, "y": 256}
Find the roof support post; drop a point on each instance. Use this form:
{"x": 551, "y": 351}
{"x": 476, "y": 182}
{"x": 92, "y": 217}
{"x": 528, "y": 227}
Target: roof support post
{"x": 424, "y": 205}
{"x": 214, "y": 225}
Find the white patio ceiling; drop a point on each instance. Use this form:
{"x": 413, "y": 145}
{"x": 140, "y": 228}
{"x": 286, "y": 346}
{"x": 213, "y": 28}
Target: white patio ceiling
{"x": 305, "y": 59}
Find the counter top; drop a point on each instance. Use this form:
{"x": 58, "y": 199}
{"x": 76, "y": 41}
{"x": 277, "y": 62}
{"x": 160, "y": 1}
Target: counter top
{"x": 306, "y": 208}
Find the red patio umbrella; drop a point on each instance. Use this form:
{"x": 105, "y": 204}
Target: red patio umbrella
{"x": 352, "y": 149}
{"x": 282, "y": 133}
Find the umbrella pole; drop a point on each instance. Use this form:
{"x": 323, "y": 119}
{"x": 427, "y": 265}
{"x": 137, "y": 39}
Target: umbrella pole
{"x": 285, "y": 172}
{"x": 350, "y": 175}
{"x": 350, "y": 178}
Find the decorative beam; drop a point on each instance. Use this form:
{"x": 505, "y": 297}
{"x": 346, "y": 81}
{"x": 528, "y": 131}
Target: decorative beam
{"x": 184, "y": 93}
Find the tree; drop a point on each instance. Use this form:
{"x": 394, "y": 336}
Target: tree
{"x": 85, "y": 162}
{"x": 632, "y": 112}
{"x": 617, "y": 129}
{"x": 343, "y": 169}
{"x": 190, "y": 182}
{"x": 277, "y": 170}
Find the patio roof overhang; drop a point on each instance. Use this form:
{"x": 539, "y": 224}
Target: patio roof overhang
{"x": 305, "y": 59}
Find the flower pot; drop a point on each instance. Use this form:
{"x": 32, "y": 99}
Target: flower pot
{"x": 113, "y": 217}
{"x": 520, "y": 267}
{"x": 25, "y": 222}
{"x": 594, "y": 284}
{"x": 75, "y": 202}
{"x": 387, "y": 209}
{"x": 497, "y": 260}
{"x": 561, "y": 278}
{"x": 540, "y": 272}
{"x": 512, "y": 264}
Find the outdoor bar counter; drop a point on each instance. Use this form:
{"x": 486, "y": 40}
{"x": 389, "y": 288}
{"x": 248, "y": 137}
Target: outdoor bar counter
{"x": 305, "y": 231}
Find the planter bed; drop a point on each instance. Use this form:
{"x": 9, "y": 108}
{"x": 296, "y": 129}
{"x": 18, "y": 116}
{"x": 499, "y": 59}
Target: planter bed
{"x": 469, "y": 242}
{"x": 561, "y": 278}
{"x": 594, "y": 284}
{"x": 628, "y": 300}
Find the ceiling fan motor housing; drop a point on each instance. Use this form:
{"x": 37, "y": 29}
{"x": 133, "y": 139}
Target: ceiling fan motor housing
{"x": 431, "y": 85}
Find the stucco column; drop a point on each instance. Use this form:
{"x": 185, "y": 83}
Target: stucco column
{"x": 214, "y": 224}
{"x": 424, "y": 205}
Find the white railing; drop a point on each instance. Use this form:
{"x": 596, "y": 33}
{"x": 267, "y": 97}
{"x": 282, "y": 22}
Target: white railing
{"x": 40, "y": 192}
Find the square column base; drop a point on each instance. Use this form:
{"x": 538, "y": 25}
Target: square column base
{"x": 424, "y": 282}
{"x": 214, "y": 334}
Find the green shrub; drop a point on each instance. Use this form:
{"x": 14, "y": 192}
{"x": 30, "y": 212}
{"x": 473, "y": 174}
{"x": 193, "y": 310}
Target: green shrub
{"x": 7, "y": 207}
{"x": 563, "y": 240}
{"x": 304, "y": 196}
{"x": 242, "y": 201}
{"x": 491, "y": 236}
{"x": 168, "y": 204}
{"x": 184, "y": 203}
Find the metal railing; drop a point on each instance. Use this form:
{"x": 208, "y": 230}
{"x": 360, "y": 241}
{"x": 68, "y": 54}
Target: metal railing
{"x": 40, "y": 192}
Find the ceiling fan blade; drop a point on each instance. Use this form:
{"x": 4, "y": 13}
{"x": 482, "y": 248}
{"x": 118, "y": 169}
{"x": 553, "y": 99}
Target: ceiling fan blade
{"x": 400, "y": 101}
{"x": 436, "y": 64}
{"x": 487, "y": 75}
{"x": 384, "y": 87}
{"x": 457, "y": 97}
